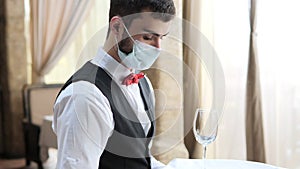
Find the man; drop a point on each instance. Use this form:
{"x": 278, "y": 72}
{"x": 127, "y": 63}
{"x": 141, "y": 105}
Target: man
{"x": 104, "y": 114}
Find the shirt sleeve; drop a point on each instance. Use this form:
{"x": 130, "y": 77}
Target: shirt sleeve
{"x": 83, "y": 122}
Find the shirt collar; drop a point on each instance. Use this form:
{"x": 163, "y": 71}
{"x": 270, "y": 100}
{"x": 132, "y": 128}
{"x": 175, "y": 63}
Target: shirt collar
{"x": 116, "y": 70}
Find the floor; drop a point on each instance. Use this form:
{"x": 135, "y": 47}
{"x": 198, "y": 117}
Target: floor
{"x": 20, "y": 163}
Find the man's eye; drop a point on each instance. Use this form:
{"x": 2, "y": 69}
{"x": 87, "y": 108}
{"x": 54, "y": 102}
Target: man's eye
{"x": 147, "y": 37}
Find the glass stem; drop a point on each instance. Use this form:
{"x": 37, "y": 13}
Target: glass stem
{"x": 204, "y": 152}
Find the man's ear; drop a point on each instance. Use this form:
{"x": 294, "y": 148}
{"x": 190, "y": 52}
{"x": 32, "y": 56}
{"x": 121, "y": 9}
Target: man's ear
{"x": 116, "y": 26}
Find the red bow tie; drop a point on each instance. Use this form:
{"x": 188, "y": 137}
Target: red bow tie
{"x": 132, "y": 78}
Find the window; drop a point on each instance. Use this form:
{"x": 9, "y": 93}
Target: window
{"x": 279, "y": 57}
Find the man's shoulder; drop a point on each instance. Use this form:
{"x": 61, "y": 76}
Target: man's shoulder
{"x": 80, "y": 89}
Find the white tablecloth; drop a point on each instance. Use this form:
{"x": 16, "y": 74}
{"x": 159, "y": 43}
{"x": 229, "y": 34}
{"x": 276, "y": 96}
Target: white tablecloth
{"x": 216, "y": 164}
{"x": 48, "y": 140}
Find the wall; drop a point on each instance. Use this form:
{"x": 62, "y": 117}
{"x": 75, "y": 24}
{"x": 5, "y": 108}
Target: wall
{"x": 13, "y": 76}
{"x": 2, "y": 67}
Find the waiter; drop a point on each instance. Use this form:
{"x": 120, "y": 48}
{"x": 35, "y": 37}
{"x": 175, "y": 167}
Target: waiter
{"x": 104, "y": 114}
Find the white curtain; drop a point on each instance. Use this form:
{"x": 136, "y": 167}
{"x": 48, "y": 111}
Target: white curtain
{"x": 53, "y": 25}
{"x": 278, "y": 46}
{"x": 78, "y": 51}
{"x": 226, "y": 26}
{"x": 231, "y": 42}
{"x": 278, "y": 57}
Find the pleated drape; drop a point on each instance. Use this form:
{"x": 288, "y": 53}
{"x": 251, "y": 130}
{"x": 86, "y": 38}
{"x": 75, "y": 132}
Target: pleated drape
{"x": 254, "y": 121}
{"x": 53, "y": 26}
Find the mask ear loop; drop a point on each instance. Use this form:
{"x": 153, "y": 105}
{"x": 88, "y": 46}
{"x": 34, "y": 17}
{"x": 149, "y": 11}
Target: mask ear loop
{"x": 117, "y": 43}
{"x": 128, "y": 32}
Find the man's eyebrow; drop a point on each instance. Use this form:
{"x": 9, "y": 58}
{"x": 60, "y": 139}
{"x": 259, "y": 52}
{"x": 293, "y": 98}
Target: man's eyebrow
{"x": 154, "y": 33}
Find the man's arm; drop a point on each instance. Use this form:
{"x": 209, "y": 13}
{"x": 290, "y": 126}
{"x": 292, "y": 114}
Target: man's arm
{"x": 83, "y": 123}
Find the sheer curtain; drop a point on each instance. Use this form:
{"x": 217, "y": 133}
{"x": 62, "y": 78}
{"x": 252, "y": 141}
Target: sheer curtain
{"x": 278, "y": 57}
{"x": 226, "y": 26}
{"x": 278, "y": 46}
{"x": 53, "y": 25}
{"x": 72, "y": 58}
{"x": 254, "y": 126}
{"x": 231, "y": 39}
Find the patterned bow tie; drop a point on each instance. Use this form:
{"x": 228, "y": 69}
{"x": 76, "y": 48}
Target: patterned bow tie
{"x": 132, "y": 78}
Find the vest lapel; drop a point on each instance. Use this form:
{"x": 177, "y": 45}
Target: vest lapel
{"x": 149, "y": 107}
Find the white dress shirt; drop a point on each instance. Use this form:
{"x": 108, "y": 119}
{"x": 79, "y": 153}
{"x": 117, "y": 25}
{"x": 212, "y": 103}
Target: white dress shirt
{"x": 83, "y": 120}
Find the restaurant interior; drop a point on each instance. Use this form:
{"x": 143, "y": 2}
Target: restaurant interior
{"x": 238, "y": 59}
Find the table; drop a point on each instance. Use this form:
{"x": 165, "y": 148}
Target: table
{"x": 48, "y": 140}
{"x": 47, "y": 137}
{"x": 216, "y": 164}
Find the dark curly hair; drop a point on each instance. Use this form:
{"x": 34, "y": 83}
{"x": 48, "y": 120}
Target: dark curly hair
{"x": 162, "y": 9}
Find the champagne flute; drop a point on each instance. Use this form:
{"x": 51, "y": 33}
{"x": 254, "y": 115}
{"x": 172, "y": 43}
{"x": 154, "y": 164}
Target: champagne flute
{"x": 205, "y": 128}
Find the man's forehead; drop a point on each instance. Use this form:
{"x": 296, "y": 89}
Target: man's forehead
{"x": 149, "y": 23}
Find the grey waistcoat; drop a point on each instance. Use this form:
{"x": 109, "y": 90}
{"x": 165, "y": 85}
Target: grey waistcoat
{"x": 127, "y": 148}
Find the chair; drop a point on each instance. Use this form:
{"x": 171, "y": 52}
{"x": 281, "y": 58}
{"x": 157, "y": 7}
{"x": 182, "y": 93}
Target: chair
{"x": 38, "y": 102}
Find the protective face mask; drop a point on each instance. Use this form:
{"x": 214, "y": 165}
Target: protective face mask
{"x": 141, "y": 57}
